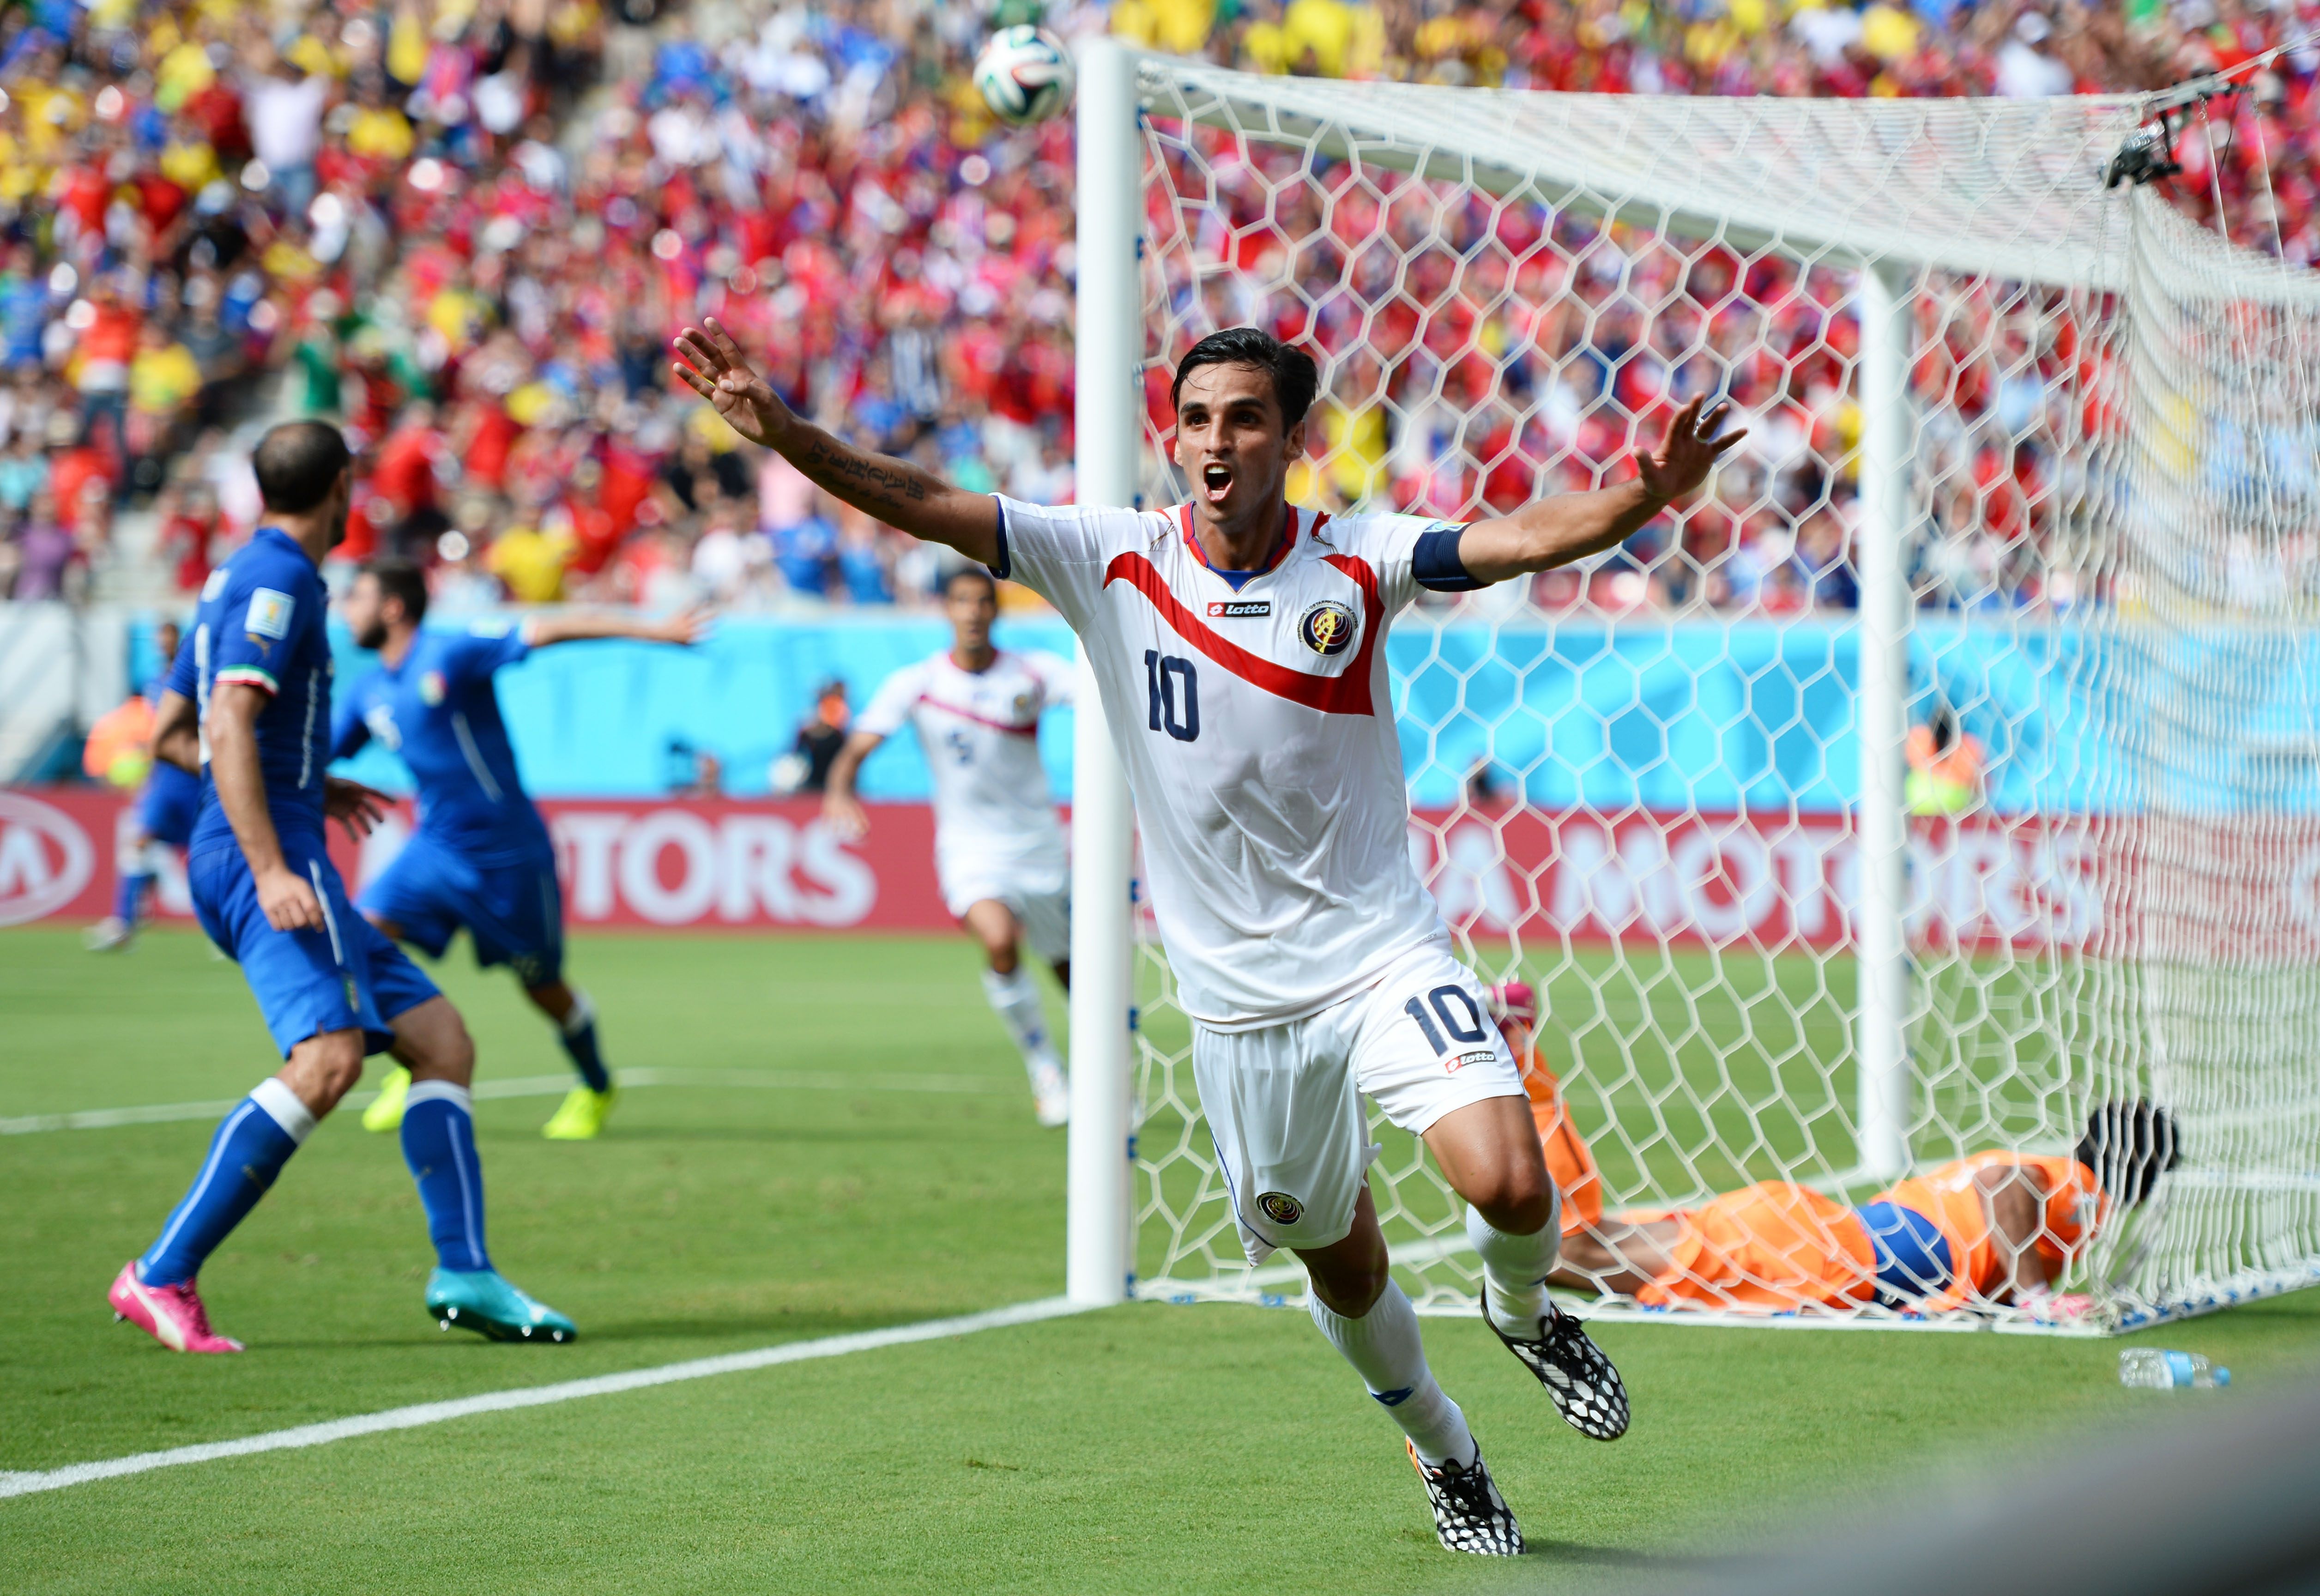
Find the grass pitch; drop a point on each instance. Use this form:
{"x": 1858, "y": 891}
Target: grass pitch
{"x": 1148, "y": 1448}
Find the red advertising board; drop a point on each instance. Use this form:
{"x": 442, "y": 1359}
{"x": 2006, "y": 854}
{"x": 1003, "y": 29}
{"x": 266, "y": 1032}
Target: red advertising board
{"x": 2177, "y": 889}
{"x": 1765, "y": 881}
{"x": 654, "y": 863}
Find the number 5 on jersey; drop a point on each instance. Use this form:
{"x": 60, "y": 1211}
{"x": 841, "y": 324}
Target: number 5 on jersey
{"x": 1175, "y": 689}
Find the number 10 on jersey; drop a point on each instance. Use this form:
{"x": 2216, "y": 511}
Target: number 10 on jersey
{"x": 1174, "y": 690}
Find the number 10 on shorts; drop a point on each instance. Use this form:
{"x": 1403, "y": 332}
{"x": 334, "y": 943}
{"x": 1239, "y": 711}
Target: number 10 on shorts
{"x": 1452, "y": 1010}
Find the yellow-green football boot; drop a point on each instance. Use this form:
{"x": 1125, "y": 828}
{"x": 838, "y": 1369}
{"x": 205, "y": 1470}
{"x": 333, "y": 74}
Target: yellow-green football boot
{"x": 386, "y": 1111}
{"x": 581, "y": 1114}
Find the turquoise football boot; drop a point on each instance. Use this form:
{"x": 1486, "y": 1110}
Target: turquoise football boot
{"x": 482, "y": 1299}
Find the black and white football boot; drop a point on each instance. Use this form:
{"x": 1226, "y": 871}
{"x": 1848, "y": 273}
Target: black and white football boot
{"x": 1580, "y": 1380}
{"x": 1469, "y": 1513}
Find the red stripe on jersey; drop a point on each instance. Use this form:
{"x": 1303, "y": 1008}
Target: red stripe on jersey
{"x": 1348, "y": 695}
{"x": 952, "y": 709}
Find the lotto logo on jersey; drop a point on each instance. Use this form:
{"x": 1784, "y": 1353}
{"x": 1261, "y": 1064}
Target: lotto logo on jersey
{"x": 1280, "y": 1208}
{"x": 1328, "y": 628}
{"x": 269, "y": 613}
{"x": 1239, "y": 609}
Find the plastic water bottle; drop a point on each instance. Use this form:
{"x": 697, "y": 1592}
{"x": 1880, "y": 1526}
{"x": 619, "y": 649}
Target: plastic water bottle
{"x": 2150, "y": 1368}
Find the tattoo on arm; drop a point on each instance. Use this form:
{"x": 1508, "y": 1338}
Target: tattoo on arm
{"x": 888, "y": 483}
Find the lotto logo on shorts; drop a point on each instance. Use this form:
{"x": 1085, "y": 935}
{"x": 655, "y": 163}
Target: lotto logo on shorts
{"x": 1280, "y": 1208}
{"x": 1459, "y": 1061}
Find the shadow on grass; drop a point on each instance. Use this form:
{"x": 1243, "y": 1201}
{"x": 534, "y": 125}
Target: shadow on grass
{"x": 1578, "y": 1555}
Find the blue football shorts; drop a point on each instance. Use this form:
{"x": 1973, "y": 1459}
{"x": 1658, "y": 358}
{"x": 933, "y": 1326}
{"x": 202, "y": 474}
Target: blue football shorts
{"x": 1913, "y": 1256}
{"x": 513, "y": 913}
{"x": 344, "y": 976}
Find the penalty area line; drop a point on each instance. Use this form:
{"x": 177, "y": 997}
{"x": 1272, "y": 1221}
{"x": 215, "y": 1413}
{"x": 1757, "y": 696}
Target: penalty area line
{"x": 537, "y": 1396}
{"x": 770, "y": 1080}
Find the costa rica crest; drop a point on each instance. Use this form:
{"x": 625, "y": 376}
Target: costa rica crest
{"x": 1328, "y": 628}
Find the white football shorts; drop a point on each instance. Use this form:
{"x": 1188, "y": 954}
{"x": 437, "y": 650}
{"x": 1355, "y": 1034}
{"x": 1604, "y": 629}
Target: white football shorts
{"x": 1283, "y": 1102}
{"x": 1038, "y": 896}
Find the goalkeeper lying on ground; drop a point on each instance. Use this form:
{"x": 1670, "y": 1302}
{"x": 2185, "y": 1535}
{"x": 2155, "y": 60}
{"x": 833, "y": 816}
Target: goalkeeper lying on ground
{"x": 1994, "y": 1228}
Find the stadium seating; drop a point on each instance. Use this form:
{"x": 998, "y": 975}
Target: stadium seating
{"x": 466, "y": 233}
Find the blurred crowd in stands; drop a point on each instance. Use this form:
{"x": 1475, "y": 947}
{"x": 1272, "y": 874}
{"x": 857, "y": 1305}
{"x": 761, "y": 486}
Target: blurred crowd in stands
{"x": 466, "y": 228}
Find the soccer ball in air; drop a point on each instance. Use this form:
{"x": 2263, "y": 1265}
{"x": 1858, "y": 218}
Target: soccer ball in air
{"x": 1024, "y": 75}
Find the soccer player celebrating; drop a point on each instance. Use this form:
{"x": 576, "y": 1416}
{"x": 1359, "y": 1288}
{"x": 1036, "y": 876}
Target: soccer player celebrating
{"x": 249, "y": 703}
{"x": 165, "y": 812}
{"x": 481, "y": 857}
{"x": 1238, "y": 642}
{"x": 999, "y": 848}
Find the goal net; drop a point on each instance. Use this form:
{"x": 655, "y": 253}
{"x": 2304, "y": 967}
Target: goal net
{"x": 1946, "y": 770}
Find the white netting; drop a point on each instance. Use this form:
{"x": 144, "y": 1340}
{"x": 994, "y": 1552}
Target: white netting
{"x": 1637, "y": 785}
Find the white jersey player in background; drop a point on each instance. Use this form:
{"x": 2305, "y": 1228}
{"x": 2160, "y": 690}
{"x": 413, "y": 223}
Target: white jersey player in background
{"x": 999, "y": 847}
{"x": 1238, "y": 644}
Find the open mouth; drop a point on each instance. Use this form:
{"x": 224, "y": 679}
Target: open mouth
{"x": 1215, "y": 480}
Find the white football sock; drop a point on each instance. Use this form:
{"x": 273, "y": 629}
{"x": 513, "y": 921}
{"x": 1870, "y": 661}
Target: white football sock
{"x": 1515, "y": 1268}
{"x": 281, "y": 1106}
{"x": 1015, "y": 999}
{"x": 1384, "y": 1348}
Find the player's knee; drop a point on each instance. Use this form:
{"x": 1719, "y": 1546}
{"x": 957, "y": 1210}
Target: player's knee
{"x": 1517, "y": 1199}
{"x": 1349, "y": 1288}
{"x": 440, "y": 1049}
{"x": 324, "y": 1067}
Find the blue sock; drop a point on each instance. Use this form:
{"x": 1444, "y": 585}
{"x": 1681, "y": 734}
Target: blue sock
{"x": 438, "y": 1143}
{"x": 579, "y": 1034}
{"x": 251, "y": 1145}
{"x": 127, "y": 895}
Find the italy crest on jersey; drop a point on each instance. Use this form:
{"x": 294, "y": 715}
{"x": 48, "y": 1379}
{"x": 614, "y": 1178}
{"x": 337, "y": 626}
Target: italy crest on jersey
{"x": 431, "y": 688}
{"x": 1327, "y": 628}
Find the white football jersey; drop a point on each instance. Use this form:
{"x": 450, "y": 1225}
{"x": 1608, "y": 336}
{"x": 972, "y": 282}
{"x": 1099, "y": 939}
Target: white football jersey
{"x": 993, "y": 814}
{"x": 1256, "y": 726}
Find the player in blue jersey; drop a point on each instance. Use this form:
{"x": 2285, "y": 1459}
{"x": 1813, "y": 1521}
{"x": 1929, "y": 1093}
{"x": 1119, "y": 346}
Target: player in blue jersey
{"x": 248, "y": 704}
{"x": 481, "y": 857}
{"x": 164, "y": 818}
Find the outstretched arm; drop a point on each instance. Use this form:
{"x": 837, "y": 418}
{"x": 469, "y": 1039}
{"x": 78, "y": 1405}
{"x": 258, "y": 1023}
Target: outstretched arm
{"x": 839, "y": 806}
{"x": 896, "y": 492}
{"x": 1571, "y": 526}
{"x": 685, "y": 628}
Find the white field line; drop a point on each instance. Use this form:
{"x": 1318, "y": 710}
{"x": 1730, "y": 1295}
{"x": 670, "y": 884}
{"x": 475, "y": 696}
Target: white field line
{"x": 537, "y": 1396}
{"x": 162, "y": 1113}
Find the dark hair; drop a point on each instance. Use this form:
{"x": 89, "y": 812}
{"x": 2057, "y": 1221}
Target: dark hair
{"x": 297, "y": 463}
{"x": 971, "y": 574}
{"x": 400, "y": 579}
{"x": 1295, "y": 379}
{"x": 2128, "y": 1146}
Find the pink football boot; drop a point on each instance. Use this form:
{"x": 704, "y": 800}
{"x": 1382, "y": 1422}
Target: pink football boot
{"x": 172, "y": 1315}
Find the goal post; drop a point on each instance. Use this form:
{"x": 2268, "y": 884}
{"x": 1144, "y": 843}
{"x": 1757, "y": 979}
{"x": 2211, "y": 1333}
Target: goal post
{"x": 1948, "y": 769}
{"x": 1109, "y": 425}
